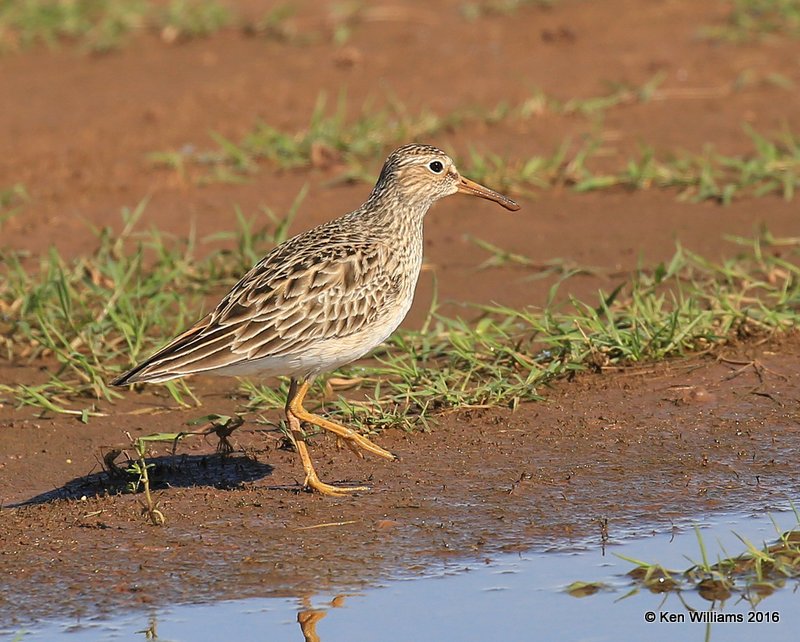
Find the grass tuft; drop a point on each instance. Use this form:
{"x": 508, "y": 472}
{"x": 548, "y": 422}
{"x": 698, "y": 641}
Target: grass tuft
{"x": 506, "y": 356}
{"x": 771, "y": 168}
{"x": 11, "y": 201}
{"x": 349, "y": 145}
{"x": 333, "y": 138}
{"x": 753, "y": 575}
{"x": 186, "y": 19}
{"x": 103, "y": 25}
{"x": 94, "y": 316}
{"x": 482, "y": 8}
{"x": 115, "y": 305}
{"x": 755, "y": 19}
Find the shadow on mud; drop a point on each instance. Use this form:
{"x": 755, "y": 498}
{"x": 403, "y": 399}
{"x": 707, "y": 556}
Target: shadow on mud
{"x": 219, "y": 471}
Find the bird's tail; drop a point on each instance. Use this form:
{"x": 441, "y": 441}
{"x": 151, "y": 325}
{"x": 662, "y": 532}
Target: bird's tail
{"x": 170, "y": 362}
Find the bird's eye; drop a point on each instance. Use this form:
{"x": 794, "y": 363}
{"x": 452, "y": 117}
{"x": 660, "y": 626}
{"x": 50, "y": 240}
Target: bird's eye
{"x": 435, "y": 166}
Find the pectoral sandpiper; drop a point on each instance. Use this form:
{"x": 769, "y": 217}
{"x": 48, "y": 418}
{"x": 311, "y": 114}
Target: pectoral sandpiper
{"x": 323, "y": 298}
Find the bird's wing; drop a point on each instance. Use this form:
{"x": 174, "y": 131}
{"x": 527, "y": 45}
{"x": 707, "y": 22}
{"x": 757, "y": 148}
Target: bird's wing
{"x": 296, "y": 295}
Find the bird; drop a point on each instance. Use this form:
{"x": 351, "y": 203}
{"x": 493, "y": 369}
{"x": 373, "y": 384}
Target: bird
{"x": 323, "y": 298}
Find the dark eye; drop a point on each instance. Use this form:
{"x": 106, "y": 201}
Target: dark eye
{"x": 435, "y": 166}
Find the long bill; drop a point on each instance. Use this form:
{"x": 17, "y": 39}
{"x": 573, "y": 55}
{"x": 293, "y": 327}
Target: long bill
{"x": 466, "y": 186}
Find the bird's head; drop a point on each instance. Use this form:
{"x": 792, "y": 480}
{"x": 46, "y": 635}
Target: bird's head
{"x": 422, "y": 174}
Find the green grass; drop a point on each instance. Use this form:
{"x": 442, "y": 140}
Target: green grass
{"x": 105, "y": 25}
{"x": 92, "y": 316}
{"x": 354, "y": 145}
{"x": 332, "y": 137}
{"x": 139, "y": 470}
{"x": 482, "y": 8}
{"x": 500, "y": 257}
{"x": 102, "y": 25}
{"x": 11, "y": 201}
{"x": 136, "y": 289}
{"x": 755, "y": 19}
{"x": 186, "y": 19}
{"x": 98, "y": 23}
{"x": 329, "y": 138}
{"x": 752, "y": 575}
{"x": 771, "y": 168}
{"x": 683, "y": 306}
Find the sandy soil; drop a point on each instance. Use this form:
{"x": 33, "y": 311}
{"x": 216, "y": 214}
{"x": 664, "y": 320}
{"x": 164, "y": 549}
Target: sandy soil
{"x": 636, "y": 447}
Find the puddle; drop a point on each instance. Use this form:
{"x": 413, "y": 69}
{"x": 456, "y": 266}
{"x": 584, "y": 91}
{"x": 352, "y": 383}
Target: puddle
{"x": 510, "y": 597}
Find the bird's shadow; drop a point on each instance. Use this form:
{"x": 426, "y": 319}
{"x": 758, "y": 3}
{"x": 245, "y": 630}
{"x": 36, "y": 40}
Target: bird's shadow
{"x": 221, "y": 471}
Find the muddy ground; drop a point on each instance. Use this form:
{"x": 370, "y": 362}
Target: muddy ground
{"x": 640, "y": 447}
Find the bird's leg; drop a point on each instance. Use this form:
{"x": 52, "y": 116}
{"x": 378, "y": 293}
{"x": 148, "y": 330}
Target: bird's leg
{"x": 308, "y": 618}
{"x": 351, "y": 437}
{"x": 312, "y": 479}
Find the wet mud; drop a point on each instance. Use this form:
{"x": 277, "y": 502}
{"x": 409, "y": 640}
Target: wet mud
{"x": 607, "y": 456}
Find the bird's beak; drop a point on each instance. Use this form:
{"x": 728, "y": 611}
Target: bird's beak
{"x": 466, "y": 186}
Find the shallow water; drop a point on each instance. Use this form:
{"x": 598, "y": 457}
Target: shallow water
{"x": 508, "y": 597}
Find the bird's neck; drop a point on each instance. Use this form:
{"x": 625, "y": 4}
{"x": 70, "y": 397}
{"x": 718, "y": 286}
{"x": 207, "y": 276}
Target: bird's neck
{"x": 396, "y": 215}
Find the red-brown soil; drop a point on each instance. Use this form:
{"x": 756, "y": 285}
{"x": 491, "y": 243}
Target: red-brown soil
{"x": 639, "y": 446}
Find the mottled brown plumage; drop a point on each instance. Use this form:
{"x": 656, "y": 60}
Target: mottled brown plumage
{"x": 323, "y": 298}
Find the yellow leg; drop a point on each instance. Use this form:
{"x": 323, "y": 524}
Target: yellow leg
{"x": 295, "y": 406}
{"x": 296, "y": 413}
{"x": 308, "y": 618}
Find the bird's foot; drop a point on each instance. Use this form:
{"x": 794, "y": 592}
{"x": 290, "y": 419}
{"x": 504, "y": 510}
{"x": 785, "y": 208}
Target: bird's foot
{"x": 314, "y": 483}
{"x": 354, "y": 444}
{"x": 354, "y": 441}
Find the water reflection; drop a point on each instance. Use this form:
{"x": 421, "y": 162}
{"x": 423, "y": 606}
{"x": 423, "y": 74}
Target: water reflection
{"x": 151, "y": 632}
{"x": 308, "y": 617}
{"x": 516, "y": 597}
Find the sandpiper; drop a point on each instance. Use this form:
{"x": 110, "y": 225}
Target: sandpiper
{"x": 323, "y": 298}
